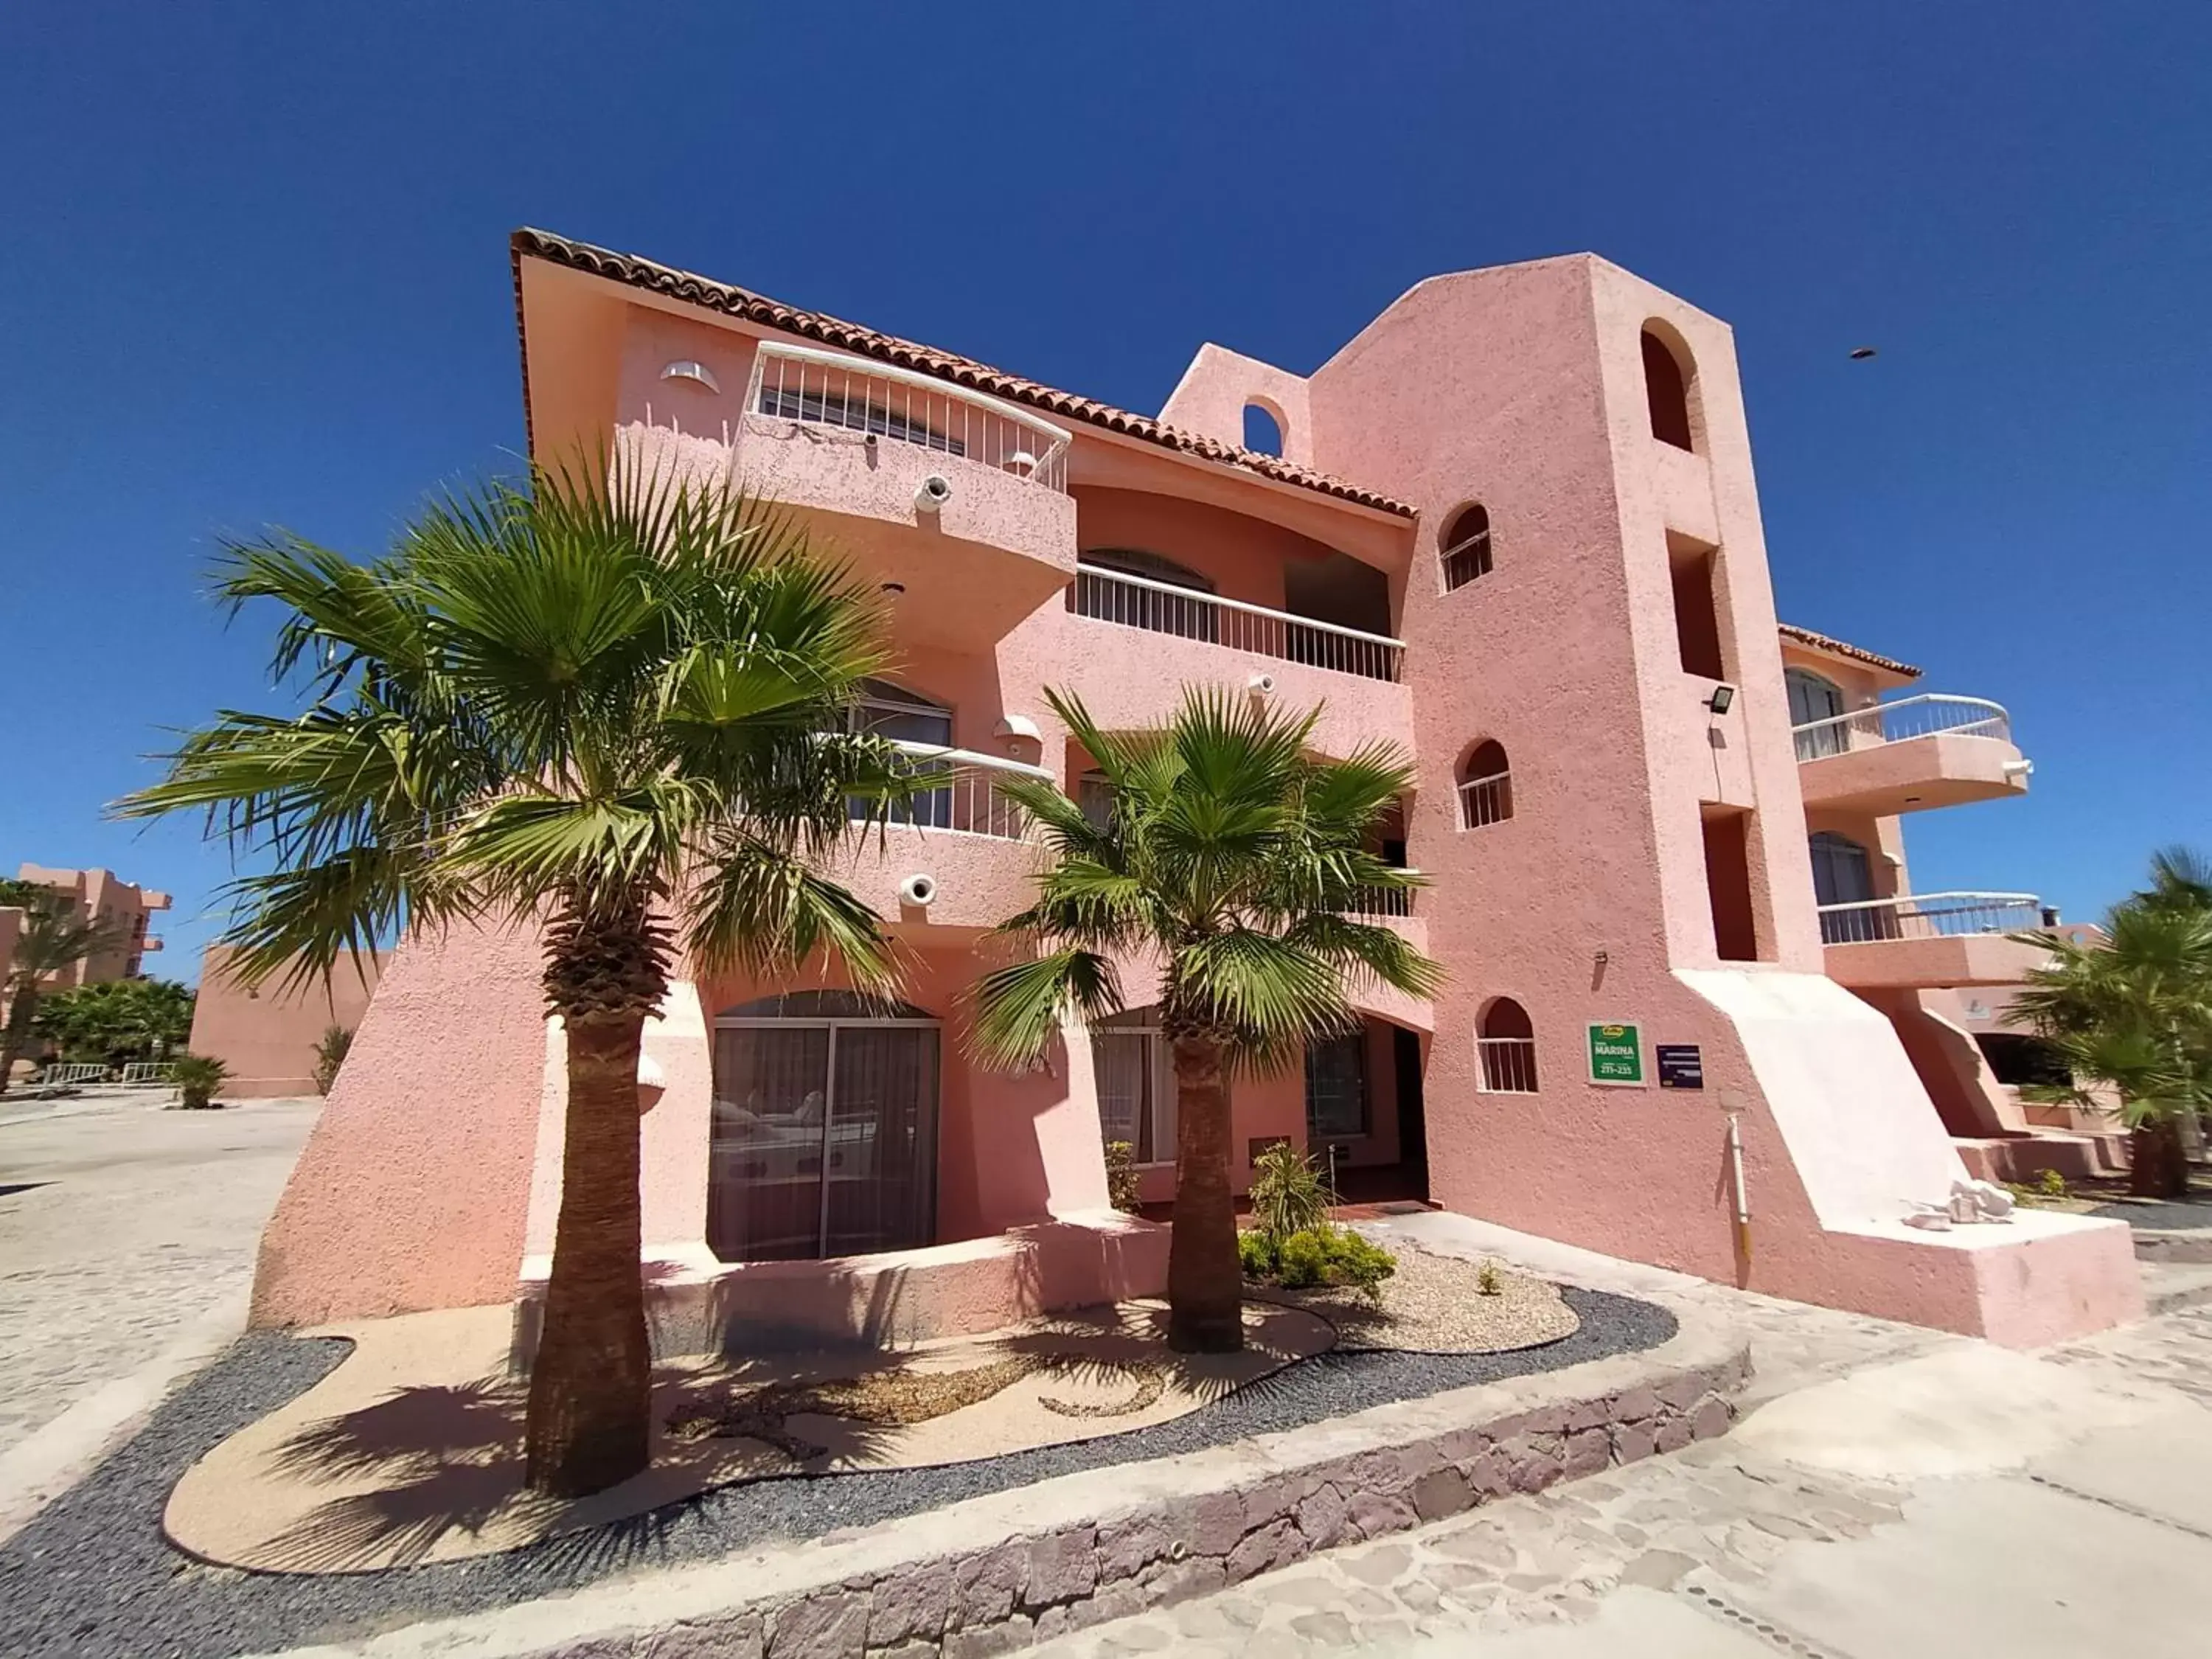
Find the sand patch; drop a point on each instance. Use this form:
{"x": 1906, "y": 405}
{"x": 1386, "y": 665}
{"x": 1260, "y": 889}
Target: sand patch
{"x": 411, "y": 1449}
{"x": 1434, "y": 1304}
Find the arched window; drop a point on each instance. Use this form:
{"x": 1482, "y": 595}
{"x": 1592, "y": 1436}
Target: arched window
{"x": 1817, "y": 702}
{"x": 892, "y": 711}
{"x": 1135, "y": 1071}
{"x": 1505, "y": 1048}
{"x": 1667, "y": 386}
{"x": 825, "y": 1137}
{"x": 1485, "y": 786}
{"x": 1263, "y": 431}
{"x": 1843, "y": 886}
{"x": 1465, "y": 549}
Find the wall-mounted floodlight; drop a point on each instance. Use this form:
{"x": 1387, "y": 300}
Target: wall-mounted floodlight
{"x": 1723, "y": 697}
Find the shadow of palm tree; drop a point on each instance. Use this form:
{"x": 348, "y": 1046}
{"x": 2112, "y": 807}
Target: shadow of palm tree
{"x": 423, "y": 1428}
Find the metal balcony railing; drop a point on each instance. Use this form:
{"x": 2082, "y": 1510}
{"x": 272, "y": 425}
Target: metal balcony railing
{"x": 1385, "y": 901}
{"x": 969, "y": 803}
{"x": 1929, "y": 915}
{"x": 1486, "y": 800}
{"x": 1920, "y": 716}
{"x": 1163, "y": 608}
{"x": 820, "y": 388}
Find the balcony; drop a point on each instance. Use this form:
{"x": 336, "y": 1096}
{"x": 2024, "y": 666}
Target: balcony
{"x": 1930, "y": 940}
{"x": 1164, "y": 637}
{"x": 954, "y": 502}
{"x": 1907, "y": 756}
{"x": 972, "y": 843}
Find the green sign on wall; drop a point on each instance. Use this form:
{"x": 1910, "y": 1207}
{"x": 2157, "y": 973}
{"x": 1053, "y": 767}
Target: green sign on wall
{"x": 1616, "y": 1054}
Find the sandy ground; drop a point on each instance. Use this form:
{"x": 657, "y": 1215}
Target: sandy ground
{"x": 122, "y": 1228}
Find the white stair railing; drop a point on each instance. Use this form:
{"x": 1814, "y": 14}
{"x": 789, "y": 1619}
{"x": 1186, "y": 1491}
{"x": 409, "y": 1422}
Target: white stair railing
{"x": 877, "y": 401}
{"x": 1929, "y": 915}
{"x": 1921, "y": 716}
{"x": 1161, "y": 607}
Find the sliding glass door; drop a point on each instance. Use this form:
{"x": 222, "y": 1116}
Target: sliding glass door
{"x": 825, "y": 1128}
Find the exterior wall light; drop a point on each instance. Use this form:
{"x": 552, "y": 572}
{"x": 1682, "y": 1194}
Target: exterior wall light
{"x": 1723, "y": 697}
{"x": 697, "y": 374}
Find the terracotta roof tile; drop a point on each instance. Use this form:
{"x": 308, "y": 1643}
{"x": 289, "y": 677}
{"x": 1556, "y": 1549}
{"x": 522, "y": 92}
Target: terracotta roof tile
{"x": 640, "y": 273}
{"x": 1857, "y": 653}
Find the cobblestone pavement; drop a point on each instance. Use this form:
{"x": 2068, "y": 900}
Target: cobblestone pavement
{"x": 125, "y": 1226}
{"x": 1719, "y": 1532}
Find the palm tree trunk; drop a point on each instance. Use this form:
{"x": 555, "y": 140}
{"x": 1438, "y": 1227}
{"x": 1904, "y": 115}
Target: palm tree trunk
{"x": 2157, "y": 1167}
{"x": 17, "y": 1036}
{"x": 590, "y": 1383}
{"x": 1206, "y": 1282}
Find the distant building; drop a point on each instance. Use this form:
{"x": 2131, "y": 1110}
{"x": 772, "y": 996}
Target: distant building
{"x": 103, "y": 895}
{"x": 268, "y": 1034}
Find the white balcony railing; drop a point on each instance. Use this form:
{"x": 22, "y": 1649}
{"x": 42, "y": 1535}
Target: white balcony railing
{"x": 1929, "y": 915}
{"x": 970, "y": 803}
{"x": 1385, "y": 901}
{"x": 1163, "y": 608}
{"x": 820, "y": 388}
{"x": 1486, "y": 800}
{"x": 1920, "y": 716}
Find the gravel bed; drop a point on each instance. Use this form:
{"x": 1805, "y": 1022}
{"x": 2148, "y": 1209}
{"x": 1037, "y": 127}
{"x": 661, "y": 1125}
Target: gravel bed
{"x": 91, "y": 1578}
{"x": 1436, "y": 1304}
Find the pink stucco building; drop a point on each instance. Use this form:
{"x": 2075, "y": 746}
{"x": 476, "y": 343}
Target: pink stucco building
{"x": 268, "y": 1035}
{"x": 1513, "y": 526}
{"x": 99, "y": 896}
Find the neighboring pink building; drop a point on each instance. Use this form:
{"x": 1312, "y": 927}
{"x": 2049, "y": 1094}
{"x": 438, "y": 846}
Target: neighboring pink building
{"x": 268, "y": 1034}
{"x": 1514, "y": 528}
{"x": 102, "y": 896}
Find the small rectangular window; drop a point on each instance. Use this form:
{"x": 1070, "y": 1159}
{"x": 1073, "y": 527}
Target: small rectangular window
{"x": 1136, "y": 1071}
{"x": 1728, "y": 885}
{"x": 1336, "y": 1089}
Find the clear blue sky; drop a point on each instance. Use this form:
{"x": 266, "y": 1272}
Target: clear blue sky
{"x": 254, "y": 270}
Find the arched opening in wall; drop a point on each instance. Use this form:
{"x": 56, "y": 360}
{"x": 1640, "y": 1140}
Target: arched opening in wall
{"x": 1694, "y": 575}
{"x": 1486, "y": 785}
{"x": 1843, "y": 888}
{"x": 1464, "y": 551}
{"x": 1263, "y": 429}
{"x": 1173, "y": 599}
{"x": 1816, "y": 713}
{"x": 1667, "y": 375}
{"x": 825, "y": 1137}
{"x": 1505, "y": 1048}
{"x": 1133, "y": 1067}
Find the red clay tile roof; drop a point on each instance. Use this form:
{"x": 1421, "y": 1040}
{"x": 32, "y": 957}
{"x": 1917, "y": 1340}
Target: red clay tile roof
{"x": 635, "y": 272}
{"x": 1857, "y": 653}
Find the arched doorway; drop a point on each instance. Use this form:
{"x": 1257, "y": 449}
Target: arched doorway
{"x": 824, "y": 1139}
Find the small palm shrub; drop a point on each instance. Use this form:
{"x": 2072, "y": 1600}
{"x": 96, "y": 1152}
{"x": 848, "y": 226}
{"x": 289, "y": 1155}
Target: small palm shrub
{"x": 198, "y": 1077}
{"x": 1488, "y": 1282}
{"x": 1289, "y": 1194}
{"x": 1124, "y": 1189}
{"x": 330, "y": 1054}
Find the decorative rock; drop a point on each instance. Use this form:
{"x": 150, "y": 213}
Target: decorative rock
{"x": 1127, "y": 1549}
{"x": 1632, "y": 1404}
{"x": 741, "y": 1637}
{"x": 1712, "y": 1418}
{"x": 911, "y": 1604}
{"x": 1322, "y": 1517}
{"x": 1062, "y": 1568}
{"x": 1673, "y": 1434}
{"x": 1008, "y": 1637}
{"x": 831, "y": 1625}
{"x": 1588, "y": 1451}
{"x": 1217, "y": 1523}
{"x": 1634, "y": 1441}
{"x": 1441, "y": 1492}
{"x": 1277, "y": 1544}
{"x": 1164, "y": 1582}
{"x": 989, "y": 1583}
{"x": 1491, "y": 1475}
{"x": 1375, "y": 1513}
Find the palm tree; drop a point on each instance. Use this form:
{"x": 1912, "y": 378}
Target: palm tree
{"x": 2130, "y": 1017}
{"x": 1238, "y": 862}
{"x": 53, "y": 937}
{"x": 601, "y": 703}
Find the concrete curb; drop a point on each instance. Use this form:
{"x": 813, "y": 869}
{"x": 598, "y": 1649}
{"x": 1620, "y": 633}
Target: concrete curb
{"x": 998, "y": 1573}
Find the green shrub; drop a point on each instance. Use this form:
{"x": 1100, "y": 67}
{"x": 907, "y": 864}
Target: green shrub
{"x": 330, "y": 1054}
{"x": 1488, "y": 1282}
{"x": 2051, "y": 1184}
{"x": 1314, "y": 1257}
{"x": 1124, "y": 1188}
{"x": 198, "y": 1077}
{"x": 1288, "y": 1194}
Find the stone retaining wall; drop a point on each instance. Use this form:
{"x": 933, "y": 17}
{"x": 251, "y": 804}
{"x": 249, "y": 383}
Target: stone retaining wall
{"x": 1174, "y": 1541}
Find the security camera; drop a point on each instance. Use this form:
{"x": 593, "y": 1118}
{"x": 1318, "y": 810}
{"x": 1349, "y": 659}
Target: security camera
{"x": 918, "y": 889}
{"x": 1260, "y": 685}
{"x": 936, "y": 490}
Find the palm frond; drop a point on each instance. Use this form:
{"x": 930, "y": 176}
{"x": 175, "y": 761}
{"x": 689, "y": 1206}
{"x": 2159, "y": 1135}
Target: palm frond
{"x": 1020, "y": 1008}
